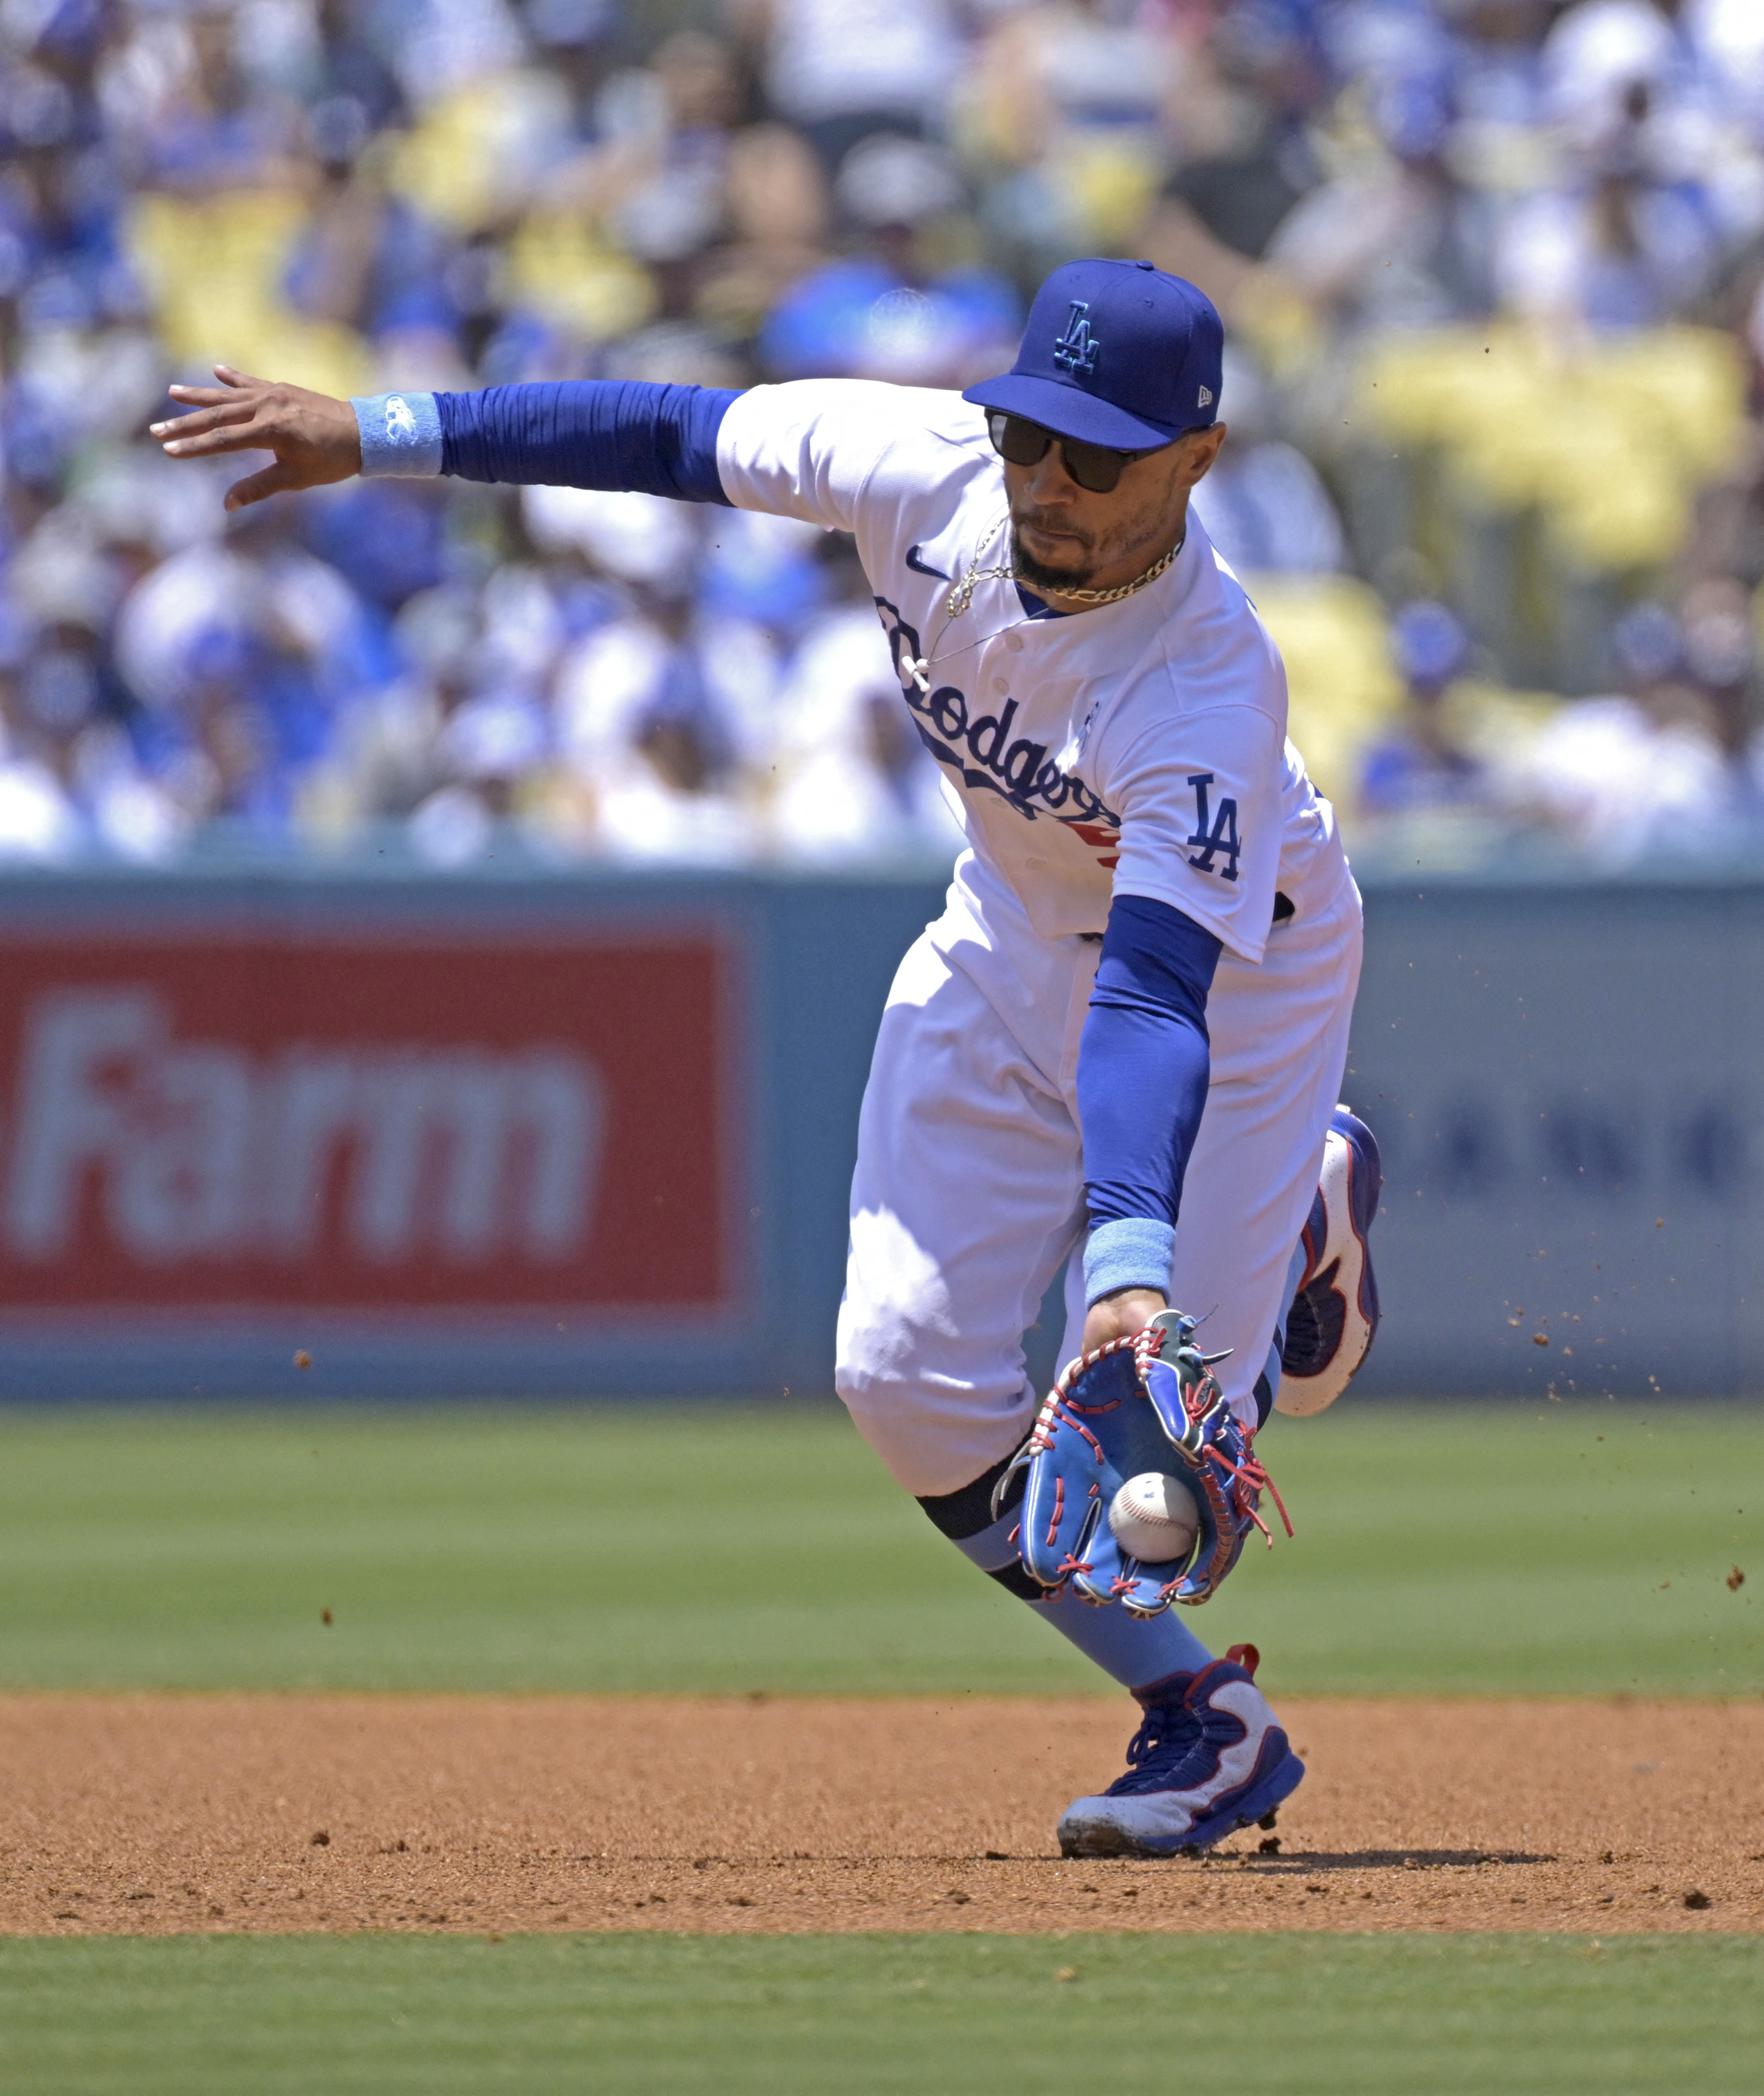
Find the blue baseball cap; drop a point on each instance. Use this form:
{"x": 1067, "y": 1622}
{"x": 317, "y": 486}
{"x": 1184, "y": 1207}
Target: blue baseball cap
{"x": 1115, "y": 353}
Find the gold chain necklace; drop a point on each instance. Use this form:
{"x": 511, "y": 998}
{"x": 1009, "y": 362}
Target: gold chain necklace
{"x": 962, "y": 594}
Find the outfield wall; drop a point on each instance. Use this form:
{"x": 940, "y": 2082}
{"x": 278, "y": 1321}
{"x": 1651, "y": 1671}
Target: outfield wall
{"x": 534, "y": 1133}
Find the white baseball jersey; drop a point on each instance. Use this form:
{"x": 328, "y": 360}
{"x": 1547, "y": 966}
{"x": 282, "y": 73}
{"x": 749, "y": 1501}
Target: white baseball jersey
{"x": 1138, "y": 747}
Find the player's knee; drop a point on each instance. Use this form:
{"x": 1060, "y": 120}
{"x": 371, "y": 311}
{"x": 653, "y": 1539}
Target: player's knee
{"x": 887, "y": 1361}
{"x": 855, "y": 1385}
{"x": 867, "y": 1371}
{"x": 887, "y": 1333}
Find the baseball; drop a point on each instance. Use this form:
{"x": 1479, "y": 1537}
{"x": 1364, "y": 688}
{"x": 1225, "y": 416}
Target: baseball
{"x": 1153, "y": 1518}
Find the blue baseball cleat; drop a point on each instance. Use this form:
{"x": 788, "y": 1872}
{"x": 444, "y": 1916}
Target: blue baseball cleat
{"x": 1208, "y": 1759}
{"x": 1334, "y": 1315}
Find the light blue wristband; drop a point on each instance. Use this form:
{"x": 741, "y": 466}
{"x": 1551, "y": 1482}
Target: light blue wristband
{"x": 400, "y": 434}
{"x": 1133, "y": 1253}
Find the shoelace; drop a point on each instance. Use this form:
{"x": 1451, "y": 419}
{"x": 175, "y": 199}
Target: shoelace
{"x": 1155, "y": 1731}
{"x": 1167, "y": 1734}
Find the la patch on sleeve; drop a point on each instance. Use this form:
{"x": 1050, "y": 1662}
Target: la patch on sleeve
{"x": 1215, "y": 832}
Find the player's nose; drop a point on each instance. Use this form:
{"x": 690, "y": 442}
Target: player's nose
{"x": 1049, "y": 482}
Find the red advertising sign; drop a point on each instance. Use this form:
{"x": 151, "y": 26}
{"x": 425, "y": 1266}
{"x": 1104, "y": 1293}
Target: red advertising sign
{"x": 467, "y": 1123}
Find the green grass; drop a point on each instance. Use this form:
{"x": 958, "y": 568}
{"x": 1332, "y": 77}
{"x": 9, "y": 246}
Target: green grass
{"x": 881, "y": 2015}
{"x": 1473, "y": 1549}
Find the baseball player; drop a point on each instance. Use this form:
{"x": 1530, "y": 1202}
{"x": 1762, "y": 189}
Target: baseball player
{"x": 1118, "y": 1051}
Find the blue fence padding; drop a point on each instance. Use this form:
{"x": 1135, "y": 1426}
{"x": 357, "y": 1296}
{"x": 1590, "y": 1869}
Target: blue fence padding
{"x": 1561, "y": 1076}
{"x": 1564, "y": 1081}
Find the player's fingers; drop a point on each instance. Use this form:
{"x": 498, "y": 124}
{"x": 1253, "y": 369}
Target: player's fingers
{"x": 232, "y": 384}
{"x": 276, "y": 479}
{"x": 203, "y": 396}
{"x": 247, "y": 437}
{"x": 178, "y": 429}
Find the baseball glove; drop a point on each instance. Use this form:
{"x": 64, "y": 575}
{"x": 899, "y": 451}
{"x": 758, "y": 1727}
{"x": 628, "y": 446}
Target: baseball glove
{"x": 1147, "y": 1402}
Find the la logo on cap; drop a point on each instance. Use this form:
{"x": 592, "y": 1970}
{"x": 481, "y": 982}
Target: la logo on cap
{"x": 1077, "y": 349}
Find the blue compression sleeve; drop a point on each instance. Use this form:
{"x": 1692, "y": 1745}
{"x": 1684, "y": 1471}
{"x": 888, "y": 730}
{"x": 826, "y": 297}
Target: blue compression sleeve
{"x": 589, "y": 433}
{"x": 1142, "y": 1073}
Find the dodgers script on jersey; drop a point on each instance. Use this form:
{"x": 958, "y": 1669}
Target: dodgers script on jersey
{"x": 1138, "y": 749}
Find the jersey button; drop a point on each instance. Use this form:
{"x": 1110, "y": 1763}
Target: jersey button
{"x": 1014, "y": 642}
{"x": 1001, "y": 685}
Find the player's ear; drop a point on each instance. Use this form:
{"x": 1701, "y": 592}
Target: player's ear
{"x": 1200, "y": 448}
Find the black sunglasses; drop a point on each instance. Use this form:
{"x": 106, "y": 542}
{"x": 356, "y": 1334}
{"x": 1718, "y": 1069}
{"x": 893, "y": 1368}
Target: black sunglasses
{"x": 1094, "y": 466}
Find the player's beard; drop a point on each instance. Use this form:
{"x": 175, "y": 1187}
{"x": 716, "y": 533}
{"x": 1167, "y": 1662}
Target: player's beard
{"x": 1137, "y": 533}
{"x": 1038, "y": 575}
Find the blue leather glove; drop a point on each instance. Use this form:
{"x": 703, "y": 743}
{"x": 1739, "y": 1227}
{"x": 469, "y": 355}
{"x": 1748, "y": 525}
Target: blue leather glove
{"x": 1148, "y": 1403}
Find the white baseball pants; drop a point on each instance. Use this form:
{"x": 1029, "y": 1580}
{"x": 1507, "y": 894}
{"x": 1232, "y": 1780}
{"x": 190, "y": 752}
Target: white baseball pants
{"x": 968, "y": 1195}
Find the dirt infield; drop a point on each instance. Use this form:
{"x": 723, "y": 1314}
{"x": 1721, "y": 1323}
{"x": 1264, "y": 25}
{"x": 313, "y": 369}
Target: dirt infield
{"x": 150, "y": 1814}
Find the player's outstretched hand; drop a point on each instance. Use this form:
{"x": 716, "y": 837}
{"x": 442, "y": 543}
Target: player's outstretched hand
{"x": 316, "y": 438}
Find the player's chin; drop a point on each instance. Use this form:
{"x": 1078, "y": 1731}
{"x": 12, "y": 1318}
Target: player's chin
{"x": 1051, "y": 558}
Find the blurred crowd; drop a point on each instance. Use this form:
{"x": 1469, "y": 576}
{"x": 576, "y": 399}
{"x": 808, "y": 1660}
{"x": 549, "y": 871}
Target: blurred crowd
{"x": 1491, "y": 271}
